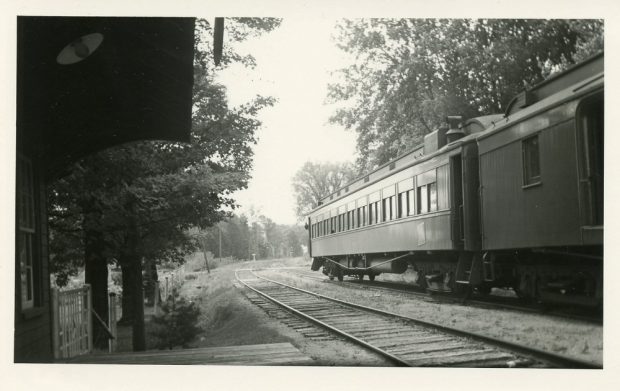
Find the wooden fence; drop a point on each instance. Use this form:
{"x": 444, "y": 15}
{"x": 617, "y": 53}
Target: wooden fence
{"x": 72, "y": 325}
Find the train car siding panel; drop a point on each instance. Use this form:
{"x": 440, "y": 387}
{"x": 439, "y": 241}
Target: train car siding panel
{"x": 541, "y": 215}
{"x": 422, "y": 233}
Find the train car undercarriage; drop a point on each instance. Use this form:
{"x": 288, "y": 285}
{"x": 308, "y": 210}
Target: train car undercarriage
{"x": 553, "y": 276}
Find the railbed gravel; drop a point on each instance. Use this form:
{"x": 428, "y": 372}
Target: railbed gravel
{"x": 573, "y": 338}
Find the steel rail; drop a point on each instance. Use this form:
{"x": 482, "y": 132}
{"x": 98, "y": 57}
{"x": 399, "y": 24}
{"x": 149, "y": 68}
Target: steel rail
{"x": 489, "y": 302}
{"x": 358, "y": 341}
{"x": 557, "y": 360}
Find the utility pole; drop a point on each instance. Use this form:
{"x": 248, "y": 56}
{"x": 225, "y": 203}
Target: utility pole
{"x": 219, "y": 230}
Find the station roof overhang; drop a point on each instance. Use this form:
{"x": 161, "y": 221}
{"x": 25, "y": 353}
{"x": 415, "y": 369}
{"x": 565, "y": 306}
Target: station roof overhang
{"x": 135, "y": 85}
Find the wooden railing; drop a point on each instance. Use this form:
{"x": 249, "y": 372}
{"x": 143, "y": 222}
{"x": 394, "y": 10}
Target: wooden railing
{"x": 72, "y": 324}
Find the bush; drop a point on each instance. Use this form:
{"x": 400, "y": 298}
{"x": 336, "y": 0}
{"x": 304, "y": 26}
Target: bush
{"x": 190, "y": 277}
{"x": 178, "y": 324}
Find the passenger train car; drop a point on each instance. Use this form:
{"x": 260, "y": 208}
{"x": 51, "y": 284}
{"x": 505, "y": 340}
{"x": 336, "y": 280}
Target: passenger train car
{"x": 513, "y": 200}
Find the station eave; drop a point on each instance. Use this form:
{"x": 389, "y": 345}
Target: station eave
{"x": 136, "y": 85}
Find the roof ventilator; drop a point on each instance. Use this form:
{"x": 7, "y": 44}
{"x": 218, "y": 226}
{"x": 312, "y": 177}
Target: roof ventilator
{"x": 456, "y": 130}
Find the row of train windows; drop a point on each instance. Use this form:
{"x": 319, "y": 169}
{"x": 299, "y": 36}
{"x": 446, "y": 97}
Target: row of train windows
{"x": 407, "y": 203}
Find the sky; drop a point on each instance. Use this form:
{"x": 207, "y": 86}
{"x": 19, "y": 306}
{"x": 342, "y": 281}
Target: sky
{"x": 293, "y": 65}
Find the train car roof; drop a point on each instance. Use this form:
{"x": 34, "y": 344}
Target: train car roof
{"x": 480, "y": 122}
{"x": 586, "y": 84}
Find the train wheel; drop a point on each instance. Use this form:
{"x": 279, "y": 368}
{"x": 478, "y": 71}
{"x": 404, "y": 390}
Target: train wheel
{"x": 371, "y": 276}
{"x": 361, "y": 277}
{"x": 528, "y": 289}
{"x": 340, "y": 274}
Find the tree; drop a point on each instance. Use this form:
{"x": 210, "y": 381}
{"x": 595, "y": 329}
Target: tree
{"x": 138, "y": 200}
{"x": 293, "y": 243}
{"x": 314, "y": 181}
{"x": 410, "y": 73}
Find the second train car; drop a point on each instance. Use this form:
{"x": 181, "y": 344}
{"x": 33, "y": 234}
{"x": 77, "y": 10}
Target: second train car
{"x": 513, "y": 200}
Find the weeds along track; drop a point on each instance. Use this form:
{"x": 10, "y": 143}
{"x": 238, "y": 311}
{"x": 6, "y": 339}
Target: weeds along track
{"x": 404, "y": 341}
{"x": 482, "y": 301}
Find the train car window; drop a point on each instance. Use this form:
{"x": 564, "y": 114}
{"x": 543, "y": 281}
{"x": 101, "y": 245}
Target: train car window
{"x": 410, "y": 203}
{"x": 443, "y": 187}
{"x": 432, "y": 197}
{"x": 385, "y": 209}
{"x": 422, "y": 199}
{"x": 406, "y": 202}
{"x": 531, "y": 161}
{"x": 363, "y": 216}
{"x": 388, "y": 208}
{"x": 374, "y": 213}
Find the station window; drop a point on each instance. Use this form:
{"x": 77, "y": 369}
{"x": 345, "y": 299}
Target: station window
{"x": 531, "y": 161}
{"x": 26, "y": 232}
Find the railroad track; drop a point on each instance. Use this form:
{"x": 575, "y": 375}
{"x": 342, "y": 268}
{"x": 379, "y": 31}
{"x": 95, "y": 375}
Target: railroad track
{"x": 488, "y": 301}
{"x": 402, "y": 340}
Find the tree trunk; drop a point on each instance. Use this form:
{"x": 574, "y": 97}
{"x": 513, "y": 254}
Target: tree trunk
{"x": 126, "y": 301}
{"x": 133, "y": 298}
{"x": 96, "y": 274}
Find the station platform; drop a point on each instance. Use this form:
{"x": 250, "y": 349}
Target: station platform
{"x": 255, "y": 355}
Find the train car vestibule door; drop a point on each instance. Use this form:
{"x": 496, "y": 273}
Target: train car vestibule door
{"x": 591, "y": 142}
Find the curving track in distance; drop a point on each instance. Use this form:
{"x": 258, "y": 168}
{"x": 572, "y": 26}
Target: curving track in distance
{"x": 405, "y": 341}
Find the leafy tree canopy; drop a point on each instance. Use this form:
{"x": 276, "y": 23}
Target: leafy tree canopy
{"x": 162, "y": 188}
{"x": 314, "y": 181}
{"x": 409, "y": 74}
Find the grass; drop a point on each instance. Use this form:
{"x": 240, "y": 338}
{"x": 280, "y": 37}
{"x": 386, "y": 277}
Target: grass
{"x": 227, "y": 317}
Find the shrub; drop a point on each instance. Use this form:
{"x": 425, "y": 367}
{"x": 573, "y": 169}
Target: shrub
{"x": 178, "y": 323}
